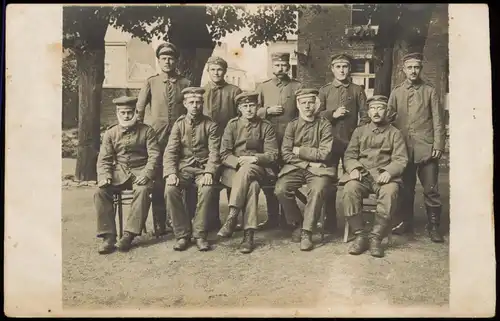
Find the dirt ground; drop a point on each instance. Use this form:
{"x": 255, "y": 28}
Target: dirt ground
{"x": 414, "y": 272}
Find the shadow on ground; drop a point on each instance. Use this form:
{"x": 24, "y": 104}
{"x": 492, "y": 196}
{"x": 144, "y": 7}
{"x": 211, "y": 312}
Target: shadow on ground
{"x": 277, "y": 274}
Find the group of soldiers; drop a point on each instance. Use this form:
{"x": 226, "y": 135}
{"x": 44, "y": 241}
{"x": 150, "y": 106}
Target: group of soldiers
{"x": 281, "y": 135}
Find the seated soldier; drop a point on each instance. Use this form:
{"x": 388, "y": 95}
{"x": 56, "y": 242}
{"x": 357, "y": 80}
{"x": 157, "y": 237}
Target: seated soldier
{"x": 306, "y": 152}
{"x": 191, "y": 156}
{"x": 128, "y": 158}
{"x": 249, "y": 151}
{"x": 374, "y": 161}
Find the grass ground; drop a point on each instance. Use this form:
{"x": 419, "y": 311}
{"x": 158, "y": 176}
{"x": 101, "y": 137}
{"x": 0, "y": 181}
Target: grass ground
{"x": 415, "y": 271}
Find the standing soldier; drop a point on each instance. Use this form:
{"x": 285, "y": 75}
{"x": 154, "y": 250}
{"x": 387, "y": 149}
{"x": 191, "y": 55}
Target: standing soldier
{"x": 374, "y": 161}
{"x": 220, "y": 105}
{"x": 249, "y": 152}
{"x": 277, "y": 104}
{"x": 419, "y": 116}
{"x": 163, "y": 93}
{"x": 306, "y": 151}
{"x": 128, "y": 158}
{"x": 344, "y": 105}
{"x": 191, "y": 156}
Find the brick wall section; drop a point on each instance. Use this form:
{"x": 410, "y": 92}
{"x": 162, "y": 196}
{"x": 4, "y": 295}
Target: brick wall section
{"x": 325, "y": 32}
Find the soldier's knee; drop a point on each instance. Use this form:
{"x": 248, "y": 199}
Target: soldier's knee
{"x": 142, "y": 189}
{"x": 254, "y": 186}
{"x": 390, "y": 189}
{"x": 102, "y": 192}
{"x": 206, "y": 190}
{"x": 352, "y": 189}
{"x": 171, "y": 190}
{"x": 280, "y": 188}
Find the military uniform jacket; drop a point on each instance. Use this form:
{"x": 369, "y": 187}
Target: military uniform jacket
{"x": 250, "y": 138}
{"x": 127, "y": 152}
{"x": 278, "y": 92}
{"x": 315, "y": 141}
{"x": 419, "y": 117}
{"x": 194, "y": 144}
{"x": 375, "y": 149}
{"x": 163, "y": 94}
{"x": 219, "y": 103}
{"x": 353, "y": 98}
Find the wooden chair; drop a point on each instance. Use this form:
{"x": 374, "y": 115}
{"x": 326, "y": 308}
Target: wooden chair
{"x": 369, "y": 211}
{"x": 121, "y": 198}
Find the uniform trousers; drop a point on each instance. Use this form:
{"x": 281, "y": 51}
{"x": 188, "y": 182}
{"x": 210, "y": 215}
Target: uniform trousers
{"x": 245, "y": 188}
{"x": 103, "y": 201}
{"x": 428, "y": 174}
{"x": 181, "y": 218}
{"x": 319, "y": 188}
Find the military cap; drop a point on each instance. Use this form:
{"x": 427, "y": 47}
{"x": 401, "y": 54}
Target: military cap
{"x": 280, "y": 56}
{"x": 415, "y": 56}
{"x": 337, "y": 58}
{"x": 306, "y": 92}
{"x": 377, "y": 100}
{"x": 193, "y": 92}
{"x": 214, "y": 60}
{"x": 247, "y": 97}
{"x": 125, "y": 101}
{"x": 167, "y": 48}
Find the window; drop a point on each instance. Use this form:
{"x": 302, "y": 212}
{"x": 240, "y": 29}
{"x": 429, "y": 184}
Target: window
{"x": 294, "y": 71}
{"x": 115, "y": 65}
{"x": 360, "y": 14}
{"x": 362, "y": 72}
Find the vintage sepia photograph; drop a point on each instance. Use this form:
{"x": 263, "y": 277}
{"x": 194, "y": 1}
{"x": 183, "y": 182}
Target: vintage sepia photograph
{"x": 257, "y": 160}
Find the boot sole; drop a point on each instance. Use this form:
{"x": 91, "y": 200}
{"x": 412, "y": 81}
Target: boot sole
{"x": 106, "y": 251}
{"x": 377, "y": 255}
{"x": 246, "y": 251}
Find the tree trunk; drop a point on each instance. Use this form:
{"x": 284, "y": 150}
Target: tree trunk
{"x": 188, "y": 31}
{"x": 90, "y": 71}
{"x": 90, "y": 79}
{"x": 415, "y": 22}
{"x": 386, "y": 19}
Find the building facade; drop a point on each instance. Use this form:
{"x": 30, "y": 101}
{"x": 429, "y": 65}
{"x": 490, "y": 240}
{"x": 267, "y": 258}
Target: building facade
{"x": 324, "y": 34}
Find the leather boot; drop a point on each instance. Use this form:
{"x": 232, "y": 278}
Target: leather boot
{"x": 229, "y": 226}
{"x": 434, "y": 218}
{"x": 360, "y": 243}
{"x": 379, "y": 231}
{"x": 202, "y": 244}
{"x": 181, "y": 244}
{"x": 108, "y": 244}
{"x": 306, "y": 243}
{"x": 125, "y": 243}
{"x": 247, "y": 243}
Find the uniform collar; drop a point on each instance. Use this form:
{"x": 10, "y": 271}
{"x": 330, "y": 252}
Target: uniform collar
{"x": 250, "y": 123}
{"x": 338, "y": 83}
{"x": 127, "y": 130}
{"x": 165, "y": 77}
{"x": 194, "y": 121}
{"x": 416, "y": 85}
{"x": 213, "y": 85}
{"x": 378, "y": 129}
{"x": 303, "y": 121}
{"x": 285, "y": 81}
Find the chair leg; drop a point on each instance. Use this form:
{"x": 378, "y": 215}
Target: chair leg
{"x": 346, "y": 231}
{"x": 323, "y": 218}
{"x": 120, "y": 215}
